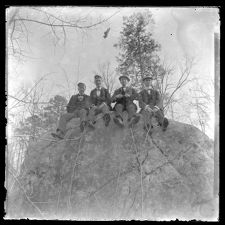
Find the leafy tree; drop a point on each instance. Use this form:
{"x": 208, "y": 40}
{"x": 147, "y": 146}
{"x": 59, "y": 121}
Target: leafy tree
{"x": 138, "y": 56}
{"x": 30, "y": 125}
{"x": 33, "y": 126}
{"x": 52, "y": 112}
{"x": 38, "y": 123}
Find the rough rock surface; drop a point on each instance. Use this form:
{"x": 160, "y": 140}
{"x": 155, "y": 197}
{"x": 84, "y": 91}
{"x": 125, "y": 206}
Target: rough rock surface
{"x": 114, "y": 173}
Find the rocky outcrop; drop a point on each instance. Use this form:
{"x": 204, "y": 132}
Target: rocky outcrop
{"x": 114, "y": 173}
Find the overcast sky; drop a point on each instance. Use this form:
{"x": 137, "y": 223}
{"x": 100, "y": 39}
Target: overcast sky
{"x": 180, "y": 31}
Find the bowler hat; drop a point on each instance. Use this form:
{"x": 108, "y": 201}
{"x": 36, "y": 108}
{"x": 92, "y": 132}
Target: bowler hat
{"x": 81, "y": 85}
{"x": 97, "y": 77}
{"x": 147, "y": 77}
{"x": 124, "y": 76}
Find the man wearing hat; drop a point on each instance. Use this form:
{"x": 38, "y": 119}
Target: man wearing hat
{"x": 124, "y": 97}
{"x": 151, "y": 105}
{"x": 77, "y": 107}
{"x": 100, "y": 100}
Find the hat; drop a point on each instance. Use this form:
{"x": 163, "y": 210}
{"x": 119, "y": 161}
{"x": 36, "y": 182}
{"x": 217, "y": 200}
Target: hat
{"x": 124, "y": 76}
{"x": 81, "y": 85}
{"x": 147, "y": 77}
{"x": 97, "y": 76}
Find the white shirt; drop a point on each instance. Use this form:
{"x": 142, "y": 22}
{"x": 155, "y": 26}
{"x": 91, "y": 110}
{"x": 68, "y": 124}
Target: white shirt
{"x": 98, "y": 91}
{"x": 148, "y": 89}
{"x": 80, "y": 97}
{"x": 124, "y": 89}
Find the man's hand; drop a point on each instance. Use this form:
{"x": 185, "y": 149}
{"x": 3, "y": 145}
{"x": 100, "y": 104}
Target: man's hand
{"x": 93, "y": 106}
{"x": 127, "y": 95}
{"x": 156, "y": 108}
{"x": 148, "y": 108}
{"x": 102, "y": 105}
{"x": 119, "y": 96}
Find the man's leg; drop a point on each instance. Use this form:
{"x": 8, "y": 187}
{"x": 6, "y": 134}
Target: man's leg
{"x": 105, "y": 108}
{"x": 119, "y": 115}
{"x": 131, "y": 110}
{"x": 133, "y": 118}
{"x": 147, "y": 117}
{"x": 64, "y": 119}
{"x": 83, "y": 116}
{"x": 91, "y": 114}
{"x": 106, "y": 116}
{"x": 119, "y": 110}
{"x": 91, "y": 117}
{"x": 163, "y": 122}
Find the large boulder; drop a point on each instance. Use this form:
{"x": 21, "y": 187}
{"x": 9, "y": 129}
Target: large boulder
{"x": 114, "y": 173}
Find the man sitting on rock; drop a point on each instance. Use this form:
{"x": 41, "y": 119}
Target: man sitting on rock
{"x": 100, "y": 100}
{"x": 150, "y": 103}
{"x": 77, "y": 108}
{"x": 124, "y": 97}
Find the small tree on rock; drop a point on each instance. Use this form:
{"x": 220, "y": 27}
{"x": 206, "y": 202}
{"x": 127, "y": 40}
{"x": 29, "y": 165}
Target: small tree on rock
{"x": 52, "y": 112}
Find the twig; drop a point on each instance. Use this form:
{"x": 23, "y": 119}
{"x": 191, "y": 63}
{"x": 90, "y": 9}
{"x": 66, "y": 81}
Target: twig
{"x": 136, "y": 151}
{"x": 106, "y": 183}
{"x": 170, "y": 161}
{"x": 52, "y": 140}
{"x": 31, "y": 89}
{"x": 140, "y": 174}
{"x": 132, "y": 204}
{"x": 75, "y": 163}
{"x": 144, "y": 159}
{"x": 113, "y": 206}
{"x": 26, "y": 195}
{"x": 167, "y": 162}
{"x": 98, "y": 203}
{"x": 60, "y": 188}
{"x": 26, "y": 101}
{"x": 65, "y": 25}
{"x": 67, "y": 80}
{"x": 146, "y": 136}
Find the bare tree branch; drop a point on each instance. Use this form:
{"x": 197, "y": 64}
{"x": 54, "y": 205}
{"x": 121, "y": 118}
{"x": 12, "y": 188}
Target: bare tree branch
{"x": 33, "y": 88}
{"x": 28, "y": 199}
{"x": 66, "y": 23}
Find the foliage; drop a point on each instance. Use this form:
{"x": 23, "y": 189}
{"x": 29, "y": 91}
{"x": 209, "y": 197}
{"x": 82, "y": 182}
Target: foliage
{"x": 138, "y": 56}
{"x": 52, "y": 112}
{"x": 45, "y": 119}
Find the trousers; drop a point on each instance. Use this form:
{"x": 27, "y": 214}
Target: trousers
{"x": 94, "y": 111}
{"x": 65, "y": 118}
{"x": 130, "y": 108}
{"x": 147, "y": 116}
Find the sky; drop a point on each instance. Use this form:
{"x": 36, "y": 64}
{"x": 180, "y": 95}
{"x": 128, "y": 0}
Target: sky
{"x": 180, "y": 31}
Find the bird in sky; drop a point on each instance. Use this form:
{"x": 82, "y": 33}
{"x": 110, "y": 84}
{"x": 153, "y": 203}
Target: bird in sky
{"x": 106, "y": 33}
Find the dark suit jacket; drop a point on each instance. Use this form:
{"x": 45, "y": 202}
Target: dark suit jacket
{"x": 125, "y": 100}
{"x": 98, "y": 100}
{"x": 75, "y": 104}
{"x": 152, "y": 99}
